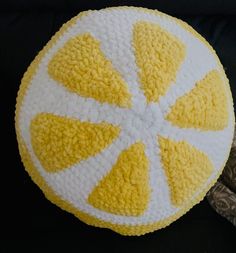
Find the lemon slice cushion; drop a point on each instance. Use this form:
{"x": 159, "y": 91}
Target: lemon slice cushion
{"x": 125, "y": 119}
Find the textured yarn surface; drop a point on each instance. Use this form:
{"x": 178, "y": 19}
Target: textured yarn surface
{"x": 125, "y": 119}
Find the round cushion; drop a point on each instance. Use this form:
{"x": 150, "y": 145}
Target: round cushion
{"x": 125, "y": 119}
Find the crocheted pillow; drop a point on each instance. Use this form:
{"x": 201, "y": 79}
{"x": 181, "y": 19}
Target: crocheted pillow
{"x": 125, "y": 119}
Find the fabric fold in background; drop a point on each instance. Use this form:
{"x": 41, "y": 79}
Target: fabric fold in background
{"x": 222, "y": 196}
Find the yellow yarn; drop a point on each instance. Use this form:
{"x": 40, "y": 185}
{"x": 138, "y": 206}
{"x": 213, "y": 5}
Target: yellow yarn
{"x": 125, "y": 190}
{"x": 204, "y": 107}
{"x": 186, "y": 168}
{"x": 154, "y": 50}
{"x": 59, "y": 142}
{"x": 81, "y": 67}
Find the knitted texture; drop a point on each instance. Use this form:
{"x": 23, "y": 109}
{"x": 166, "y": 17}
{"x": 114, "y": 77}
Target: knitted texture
{"x": 125, "y": 119}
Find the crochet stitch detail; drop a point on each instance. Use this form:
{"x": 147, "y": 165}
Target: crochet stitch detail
{"x": 125, "y": 189}
{"x": 159, "y": 55}
{"x": 82, "y": 68}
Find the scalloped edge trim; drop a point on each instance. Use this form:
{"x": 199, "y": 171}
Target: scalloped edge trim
{"x": 130, "y": 230}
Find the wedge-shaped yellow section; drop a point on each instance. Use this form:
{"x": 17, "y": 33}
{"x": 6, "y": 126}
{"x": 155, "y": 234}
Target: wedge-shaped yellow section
{"x": 159, "y": 55}
{"x": 59, "y": 142}
{"x": 125, "y": 189}
{"x": 204, "y": 107}
{"x": 186, "y": 168}
{"x": 81, "y": 67}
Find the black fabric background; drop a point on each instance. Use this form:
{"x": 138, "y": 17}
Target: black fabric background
{"x": 30, "y": 222}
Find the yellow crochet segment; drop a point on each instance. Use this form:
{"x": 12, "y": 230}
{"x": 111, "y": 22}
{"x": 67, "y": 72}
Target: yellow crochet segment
{"x": 155, "y": 48}
{"x": 60, "y": 142}
{"x": 125, "y": 189}
{"x": 125, "y": 119}
{"x": 81, "y": 67}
